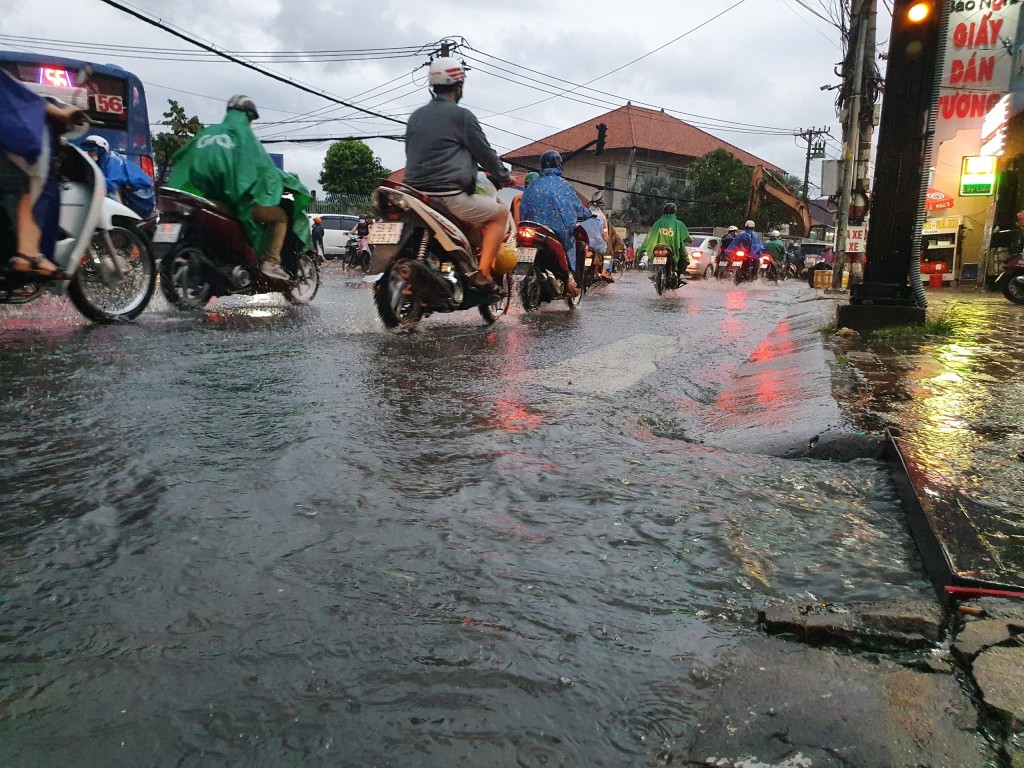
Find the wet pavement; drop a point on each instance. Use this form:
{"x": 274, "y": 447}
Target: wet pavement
{"x": 268, "y": 535}
{"x": 955, "y": 405}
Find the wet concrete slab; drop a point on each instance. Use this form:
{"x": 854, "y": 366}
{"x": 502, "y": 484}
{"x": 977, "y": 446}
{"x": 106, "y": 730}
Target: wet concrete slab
{"x": 953, "y": 406}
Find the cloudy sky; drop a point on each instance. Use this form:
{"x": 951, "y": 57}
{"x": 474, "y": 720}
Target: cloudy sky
{"x": 747, "y": 71}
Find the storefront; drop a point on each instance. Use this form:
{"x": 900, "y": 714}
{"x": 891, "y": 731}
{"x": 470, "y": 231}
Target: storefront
{"x": 1002, "y": 138}
{"x": 975, "y": 80}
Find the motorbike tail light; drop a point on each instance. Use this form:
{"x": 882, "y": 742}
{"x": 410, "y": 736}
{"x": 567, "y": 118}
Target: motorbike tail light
{"x": 526, "y": 235}
{"x": 741, "y": 254}
{"x": 660, "y": 250}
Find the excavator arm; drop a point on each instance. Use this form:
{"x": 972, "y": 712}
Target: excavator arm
{"x": 762, "y": 186}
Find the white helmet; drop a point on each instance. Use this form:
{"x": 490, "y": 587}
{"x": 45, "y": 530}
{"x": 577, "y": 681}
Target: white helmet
{"x": 776, "y": 233}
{"x": 99, "y": 141}
{"x": 733, "y": 228}
{"x": 749, "y": 224}
{"x": 445, "y": 70}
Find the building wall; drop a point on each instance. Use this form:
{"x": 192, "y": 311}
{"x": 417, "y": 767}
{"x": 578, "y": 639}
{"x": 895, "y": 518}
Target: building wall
{"x": 621, "y": 165}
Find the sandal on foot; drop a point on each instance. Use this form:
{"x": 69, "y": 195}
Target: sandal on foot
{"x": 482, "y": 281}
{"x": 36, "y": 265}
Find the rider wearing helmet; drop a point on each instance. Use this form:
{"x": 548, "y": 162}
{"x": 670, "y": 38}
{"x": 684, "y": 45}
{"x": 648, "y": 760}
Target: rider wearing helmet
{"x": 749, "y": 242}
{"x": 443, "y": 146}
{"x": 227, "y": 163}
{"x": 552, "y": 201}
{"x": 729, "y": 237}
{"x": 518, "y": 199}
{"x": 614, "y": 244}
{"x": 775, "y": 247}
{"x": 671, "y": 232}
{"x": 126, "y": 181}
{"x": 317, "y": 233}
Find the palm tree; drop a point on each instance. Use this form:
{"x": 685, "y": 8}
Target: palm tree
{"x": 648, "y": 196}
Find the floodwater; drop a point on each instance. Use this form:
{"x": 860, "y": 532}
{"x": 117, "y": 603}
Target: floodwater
{"x": 276, "y": 536}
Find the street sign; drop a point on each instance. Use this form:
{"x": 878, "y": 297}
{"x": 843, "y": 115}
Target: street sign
{"x": 856, "y": 237}
{"x": 978, "y": 176}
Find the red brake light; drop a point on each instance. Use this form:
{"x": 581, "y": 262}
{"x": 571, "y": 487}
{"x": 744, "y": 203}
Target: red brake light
{"x": 741, "y": 254}
{"x": 526, "y": 234}
{"x": 147, "y": 165}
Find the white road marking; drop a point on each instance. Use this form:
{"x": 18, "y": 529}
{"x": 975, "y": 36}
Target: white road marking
{"x": 608, "y": 370}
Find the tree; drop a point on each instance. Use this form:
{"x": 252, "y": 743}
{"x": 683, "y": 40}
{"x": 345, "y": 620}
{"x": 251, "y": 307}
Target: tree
{"x": 350, "y": 167}
{"x": 182, "y": 128}
{"x": 648, "y": 196}
{"x": 719, "y": 185}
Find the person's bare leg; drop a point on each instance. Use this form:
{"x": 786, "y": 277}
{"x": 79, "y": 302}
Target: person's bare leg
{"x": 29, "y": 258}
{"x": 492, "y": 233}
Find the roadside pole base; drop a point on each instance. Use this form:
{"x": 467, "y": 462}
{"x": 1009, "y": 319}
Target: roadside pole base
{"x": 865, "y": 318}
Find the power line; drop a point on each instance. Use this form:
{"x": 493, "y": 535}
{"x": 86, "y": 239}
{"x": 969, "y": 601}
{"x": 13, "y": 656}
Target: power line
{"x": 266, "y": 72}
{"x": 634, "y": 61}
{"x": 688, "y": 115}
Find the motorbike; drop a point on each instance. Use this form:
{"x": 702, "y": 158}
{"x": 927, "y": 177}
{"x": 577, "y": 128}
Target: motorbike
{"x": 542, "y": 263}
{"x": 748, "y": 268}
{"x": 105, "y": 262}
{"x": 425, "y": 260}
{"x": 1011, "y": 280}
{"x": 358, "y": 254}
{"x": 665, "y": 278}
{"x": 210, "y": 255}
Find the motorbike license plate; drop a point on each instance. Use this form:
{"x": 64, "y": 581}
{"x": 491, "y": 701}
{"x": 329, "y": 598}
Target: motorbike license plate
{"x": 526, "y": 255}
{"x": 385, "y": 233}
{"x": 588, "y": 262}
{"x": 660, "y": 260}
{"x": 166, "y": 233}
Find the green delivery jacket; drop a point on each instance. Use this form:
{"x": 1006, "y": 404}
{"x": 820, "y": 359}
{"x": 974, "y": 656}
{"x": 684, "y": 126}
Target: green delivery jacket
{"x": 670, "y": 231}
{"x": 227, "y": 163}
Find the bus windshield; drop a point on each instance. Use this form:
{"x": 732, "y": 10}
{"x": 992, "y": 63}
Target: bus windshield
{"x": 117, "y": 100}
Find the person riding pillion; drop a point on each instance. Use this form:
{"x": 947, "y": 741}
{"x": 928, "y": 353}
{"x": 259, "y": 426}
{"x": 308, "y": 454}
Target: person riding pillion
{"x": 552, "y": 201}
{"x": 126, "y": 181}
{"x": 228, "y": 164}
{"x": 672, "y": 233}
{"x": 443, "y": 146}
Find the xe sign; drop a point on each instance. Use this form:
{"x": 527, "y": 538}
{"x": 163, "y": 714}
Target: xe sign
{"x": 978, "y": 176}
{"x": 855, "y": 239}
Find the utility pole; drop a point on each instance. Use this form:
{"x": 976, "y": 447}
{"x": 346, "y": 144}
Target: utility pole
{"x": 852, "y": 137}
{"x": 886, "y": 296}
{"x": 815, "y": 150}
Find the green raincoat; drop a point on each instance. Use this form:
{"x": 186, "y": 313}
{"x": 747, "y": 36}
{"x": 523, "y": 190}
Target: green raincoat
{"x": 670, "y": 231}
{"x": 227, "y": 163}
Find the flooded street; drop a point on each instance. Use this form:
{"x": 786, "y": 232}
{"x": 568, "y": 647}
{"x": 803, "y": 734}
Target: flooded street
{"x": 274, "y": 536}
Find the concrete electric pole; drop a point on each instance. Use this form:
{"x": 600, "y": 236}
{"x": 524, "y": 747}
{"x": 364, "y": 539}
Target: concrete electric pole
{"x": 886, "y": 296}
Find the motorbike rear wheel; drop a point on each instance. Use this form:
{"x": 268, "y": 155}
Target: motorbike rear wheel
{"x": 307, "y": 278}
{"x": 771, "y": 272}
{"x": 498, "y": 306}
{"x": 110, "y": 287}
{"x": 182, "y": 279}
{"x": 1013, "y": 289}
{"x": 395, "y": 309}
{"x": 529, "y": 291}
{"x": 659, "y": 280}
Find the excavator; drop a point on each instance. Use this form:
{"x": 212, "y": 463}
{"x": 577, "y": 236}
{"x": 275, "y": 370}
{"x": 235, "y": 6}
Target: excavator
{"x": 762, "y": 185}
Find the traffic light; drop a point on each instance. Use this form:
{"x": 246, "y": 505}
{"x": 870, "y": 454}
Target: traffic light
{"x": 602, "y": 129}
{"x": 915, "y": 28}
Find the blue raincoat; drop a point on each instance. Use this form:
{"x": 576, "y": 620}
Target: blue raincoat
{"x": 748, "y": 241}
{"x": 126, "y": 177}
{"x": 22, "y": 120}
{"x": 552, "y": 201}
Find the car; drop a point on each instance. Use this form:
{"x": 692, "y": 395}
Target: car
{"x": 336, "y": 231}
{"x": 811, "y": 252}
{"x": 703, "y": 250}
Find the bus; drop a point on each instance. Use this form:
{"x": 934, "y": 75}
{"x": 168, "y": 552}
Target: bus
{"x": 116, "y": 97}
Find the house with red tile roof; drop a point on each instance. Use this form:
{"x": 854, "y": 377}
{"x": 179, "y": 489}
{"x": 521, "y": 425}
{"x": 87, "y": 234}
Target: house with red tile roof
{"x": 638, "y": 142}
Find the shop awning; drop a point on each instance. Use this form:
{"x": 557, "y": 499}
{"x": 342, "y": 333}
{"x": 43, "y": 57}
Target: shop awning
{"x": 937, "y": 200}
